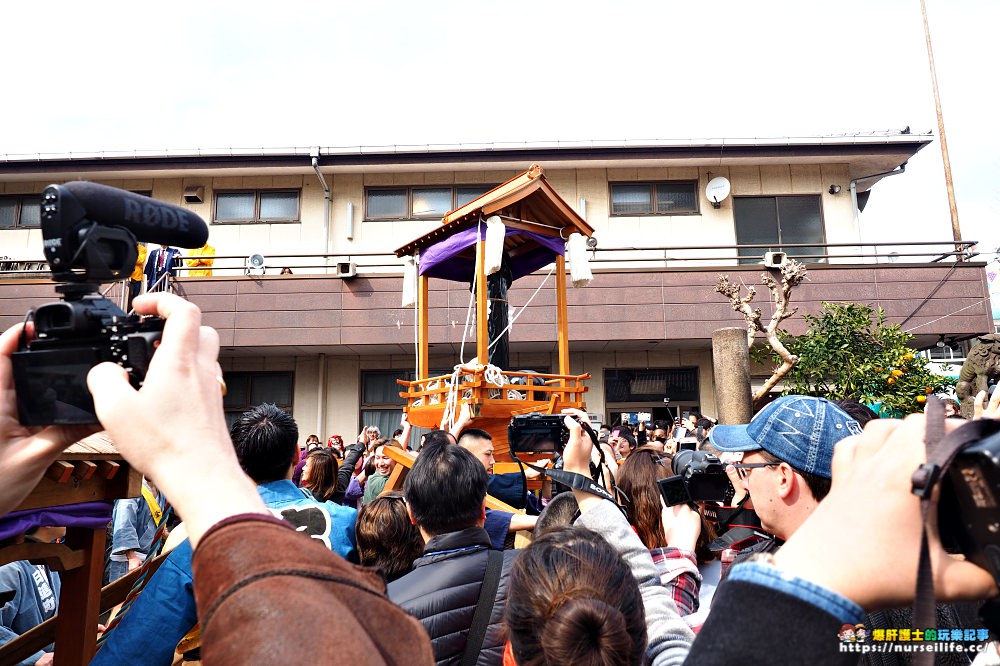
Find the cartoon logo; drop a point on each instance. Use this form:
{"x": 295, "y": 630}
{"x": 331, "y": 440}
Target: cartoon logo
{"x": 860, "y": 633}
{"x": 846, "y": 634}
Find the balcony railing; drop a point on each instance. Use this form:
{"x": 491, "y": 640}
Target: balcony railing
{"x": 603, "y": 258}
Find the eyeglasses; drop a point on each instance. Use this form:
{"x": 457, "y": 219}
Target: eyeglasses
{"x": 742, "y": 468}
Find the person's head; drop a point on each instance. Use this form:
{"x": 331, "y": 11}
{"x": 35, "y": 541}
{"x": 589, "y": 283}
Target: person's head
{"x": 480, "y": 444}
{"x": 266, "y": 442}
{"x": 560, "y": 512}
{"x": 383, "y": 463}
{"x": 372, "y": 433}
{"x": 386, "y": 538}
{"x": 637, "y": 477}
{"x": 312, "y": 441}
{"x": 445, "y": 489}
{"x": 286, "y": 271}
{"x": 319, "y": 476}
{"x": 622, "y": 440}
{"x": 951, "y": 407}
{"x": 572, "y": 599}
{"x": 857, "y": 411}
{"x": 691, "y": 420}
{"x": 792, "y": 441}
{"x": 335, "y": 442}
{"x": 436, "y": 436}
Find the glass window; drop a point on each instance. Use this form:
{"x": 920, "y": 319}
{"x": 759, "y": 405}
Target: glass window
{"x": 257, "y": 206}
{"x": 279, "y": 205}
{"x": 773, "y": 221}
{"x": 431, "y": 202}
{"x": 249, "y": 389}
{"x": 630, "y": 199}
{"x": 464, "y": 195}
{"x": 410, "y": 203}
{"x": 20, "y": 211}
{"x": 386, "y": 204}
{"x": 661, "y": 198}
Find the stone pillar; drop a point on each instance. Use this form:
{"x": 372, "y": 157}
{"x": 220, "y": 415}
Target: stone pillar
{"x": 731, "y": 361}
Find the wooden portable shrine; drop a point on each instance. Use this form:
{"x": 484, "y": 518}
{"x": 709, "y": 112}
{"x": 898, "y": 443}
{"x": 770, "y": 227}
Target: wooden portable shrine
{"x": 538, "y": 222}
{"x": 90, "y": 470}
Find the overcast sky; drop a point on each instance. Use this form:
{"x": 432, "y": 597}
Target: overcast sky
{"x": 129, "y": 75}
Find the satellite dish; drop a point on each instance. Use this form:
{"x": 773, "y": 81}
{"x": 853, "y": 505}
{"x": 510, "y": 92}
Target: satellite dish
{"x": 717, "y": 190}
{"x": 255, "y": 264}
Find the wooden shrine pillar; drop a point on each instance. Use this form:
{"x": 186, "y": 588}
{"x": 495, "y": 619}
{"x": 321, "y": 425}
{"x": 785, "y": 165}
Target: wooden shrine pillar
{"x": 482, "y": 321}
{"x": 423, "y": 311}
{"x": 563, "y": 317}
{"x": 80, "y": 599}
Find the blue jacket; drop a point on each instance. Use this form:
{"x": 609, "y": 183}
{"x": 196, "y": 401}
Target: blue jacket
{"x": 36, "y": 597}
{"x": 165, "y": 611}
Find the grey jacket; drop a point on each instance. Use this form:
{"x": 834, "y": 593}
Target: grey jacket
{"x": 36, "y": 598}
{"x": 669, "y": 636}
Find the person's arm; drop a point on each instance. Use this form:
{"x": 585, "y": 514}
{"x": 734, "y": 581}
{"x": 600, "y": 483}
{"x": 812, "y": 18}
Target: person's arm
{"x": 158, "y": 618}
{"x": 980, "y": 410}
{"x": 404, "y": 438}
{"x": 346, "y": 470}
{"x": 669, "y": 637}
{"x": 205, "y": 483}
{"x": 464, "y": 417}
{"x": 11, "y": 580}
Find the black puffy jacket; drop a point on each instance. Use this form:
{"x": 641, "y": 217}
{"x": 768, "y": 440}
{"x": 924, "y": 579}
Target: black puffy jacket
{"x": 443, "y": 589}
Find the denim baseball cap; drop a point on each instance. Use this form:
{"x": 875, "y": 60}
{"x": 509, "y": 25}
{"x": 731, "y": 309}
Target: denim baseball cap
{"x": 799, "y": 429}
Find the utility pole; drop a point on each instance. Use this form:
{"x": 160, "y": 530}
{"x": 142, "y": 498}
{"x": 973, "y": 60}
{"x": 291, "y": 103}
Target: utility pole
{"x": 955, "y": 230}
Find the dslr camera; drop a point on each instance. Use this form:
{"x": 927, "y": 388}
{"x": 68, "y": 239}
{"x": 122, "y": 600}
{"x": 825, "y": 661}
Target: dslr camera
{"x": 699, "y": 476}
{"x": 537, "y": 433}
{"x": 968, "y": 509}
{"x": 90, "y": 234}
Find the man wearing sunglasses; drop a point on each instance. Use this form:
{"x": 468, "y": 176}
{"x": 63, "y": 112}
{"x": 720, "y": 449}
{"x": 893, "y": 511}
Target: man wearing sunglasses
{"x": 787, "y": 449}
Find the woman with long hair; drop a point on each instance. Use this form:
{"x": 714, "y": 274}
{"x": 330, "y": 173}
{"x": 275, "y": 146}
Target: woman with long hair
{"x": 319, "y": 476}
{"x": 589, "y": 594}
{"x": 387, "y": 538}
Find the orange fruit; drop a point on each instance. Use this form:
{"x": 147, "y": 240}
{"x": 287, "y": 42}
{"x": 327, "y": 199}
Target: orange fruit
{"x": 897, "y": 373}
{"x": 908, "y": 357}
{"x": 921, "y": 398}
{"x": 891, "y": 380}
{"x": 928, "y": 390}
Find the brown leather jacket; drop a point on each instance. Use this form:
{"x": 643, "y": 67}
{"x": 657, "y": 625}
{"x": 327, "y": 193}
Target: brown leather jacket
{"x": 257, "y": 582}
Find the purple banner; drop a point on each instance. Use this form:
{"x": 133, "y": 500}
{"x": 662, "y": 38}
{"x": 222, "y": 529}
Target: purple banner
{"x": 95, "y": 515}
{"x": 441, "y": 260}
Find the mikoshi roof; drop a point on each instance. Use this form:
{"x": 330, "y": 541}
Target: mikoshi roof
{"x": 538, "y": 223}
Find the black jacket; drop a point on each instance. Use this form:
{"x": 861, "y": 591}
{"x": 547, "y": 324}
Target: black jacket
{"x": 352, "y": 454}
{"x": 442, "y": 592}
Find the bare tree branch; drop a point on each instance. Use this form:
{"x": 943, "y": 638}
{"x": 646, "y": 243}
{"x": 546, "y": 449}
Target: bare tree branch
{"x": 792, "y": 274}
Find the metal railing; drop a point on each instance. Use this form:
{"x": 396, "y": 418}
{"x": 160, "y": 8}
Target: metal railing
{"x": 604, "y": 258}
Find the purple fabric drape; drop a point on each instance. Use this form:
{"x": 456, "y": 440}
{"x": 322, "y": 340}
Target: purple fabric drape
{"x": 441, "y": 260}
{"x": 95, "y": 515}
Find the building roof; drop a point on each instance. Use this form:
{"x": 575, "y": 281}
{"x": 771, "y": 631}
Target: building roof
{"x": 865, "y": 154}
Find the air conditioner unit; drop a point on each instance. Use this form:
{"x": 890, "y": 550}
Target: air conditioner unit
{"x": 774, "y": 259}
{"x": 255, "y": 264}
{"x": 346, "y": 269}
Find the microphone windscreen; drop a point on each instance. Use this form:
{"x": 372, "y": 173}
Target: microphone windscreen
{"x": 150, "y": 220}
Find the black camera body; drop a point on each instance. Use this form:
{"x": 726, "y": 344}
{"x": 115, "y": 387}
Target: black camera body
{"x": 969, "y": 505}
{"x": 537, "y": 433}
{"x": 699, "y": 476}
{"x": 87, "y": 232}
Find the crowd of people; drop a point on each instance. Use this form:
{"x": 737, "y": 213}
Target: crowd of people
{"x": 820, "y": 531}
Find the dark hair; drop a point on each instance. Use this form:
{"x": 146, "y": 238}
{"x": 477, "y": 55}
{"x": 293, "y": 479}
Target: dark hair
{"x": 323, "y": 468}
{"x": 572, "y": 599}
{"x": 386, "y": 538}
{"x": 435, "y": 436}
{"x": 818, "y": 486}
{"x": 694, "y": 415}
{"x": 704, "y": 424}
{"x": 397, "y": 432}
{"x": 445, "y": 488}
{"x": 557, "y": 514}
{"x": 475, "y": 432}
{"x": 637, "y": 477}
{"x": 266, "y": 442}
{"x": 857, "y": 411}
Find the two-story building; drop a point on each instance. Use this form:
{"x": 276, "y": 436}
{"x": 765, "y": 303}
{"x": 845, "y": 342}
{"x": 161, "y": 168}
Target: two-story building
{"x": 328, "y": 340}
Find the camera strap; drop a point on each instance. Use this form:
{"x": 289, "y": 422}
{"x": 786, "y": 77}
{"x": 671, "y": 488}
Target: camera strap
{"x": 571, "y": 480}
{"x": 941, "y": 451}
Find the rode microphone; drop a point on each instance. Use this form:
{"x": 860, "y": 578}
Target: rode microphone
{"x": 90, "y": 230}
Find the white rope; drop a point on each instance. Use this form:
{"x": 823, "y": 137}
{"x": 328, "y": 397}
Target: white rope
{"x": 979, "y": 302}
